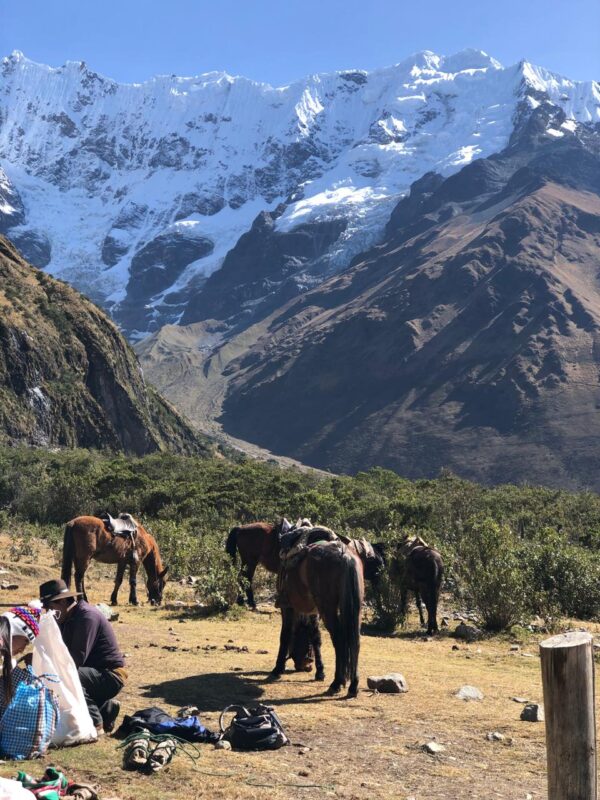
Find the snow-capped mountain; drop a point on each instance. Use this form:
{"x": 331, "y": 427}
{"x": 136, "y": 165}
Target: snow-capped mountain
{"x": 135, "y": 194}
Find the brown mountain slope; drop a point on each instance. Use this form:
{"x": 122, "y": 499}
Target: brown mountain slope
{"x": 469, "y": 339}
{"x": 67, "y": 376}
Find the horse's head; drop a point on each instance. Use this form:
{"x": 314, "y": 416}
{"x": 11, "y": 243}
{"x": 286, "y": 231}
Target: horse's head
{"x": 156, "y": 587}
{"x": 300, "y": 649}
{"x": 373, "y": 560}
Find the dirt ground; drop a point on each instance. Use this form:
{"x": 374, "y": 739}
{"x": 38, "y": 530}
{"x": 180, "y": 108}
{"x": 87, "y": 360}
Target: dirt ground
{"x": 370, "y": 747}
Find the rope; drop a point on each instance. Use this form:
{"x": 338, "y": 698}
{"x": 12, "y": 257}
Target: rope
{"x": 160, "y": 737}
{"x": 329, "y": 786}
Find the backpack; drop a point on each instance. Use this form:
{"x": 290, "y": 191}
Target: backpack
{"x": 256, "y": 728}
{"x": 29, "y": 722}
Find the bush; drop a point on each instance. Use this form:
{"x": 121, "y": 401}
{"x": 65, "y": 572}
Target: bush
{"x": 491, "y": 573}
{"x": 217, "y": 587}
{"x": 386, "y": 602}
{"x": 564, "y": 578}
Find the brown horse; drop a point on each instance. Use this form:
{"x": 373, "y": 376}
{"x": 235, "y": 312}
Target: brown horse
{"x": 87, "y": 538}
{"x": 417, "y": 567}
{"x": 325, "y": 578}
{"x": 257, "y": 543}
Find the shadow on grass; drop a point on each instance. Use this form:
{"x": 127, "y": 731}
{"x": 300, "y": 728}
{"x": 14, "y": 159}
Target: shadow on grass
{"x": 212, "y": 691}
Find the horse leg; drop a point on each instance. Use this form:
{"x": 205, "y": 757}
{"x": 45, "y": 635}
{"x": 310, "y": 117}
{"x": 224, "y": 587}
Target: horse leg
{"x": 133, "y": 570}
{"x": 118, "y": 581}
{"x": 245, "y": 578}
{"x": 80, "y": 570}
{"x": 250, "y": 570}
{"x": 315, "y": 640}
{"x": 287, "y": 630}
{"x": 431, "y": 602}
{"x": 338, "y": 681}
{"x": 419, "y": 603}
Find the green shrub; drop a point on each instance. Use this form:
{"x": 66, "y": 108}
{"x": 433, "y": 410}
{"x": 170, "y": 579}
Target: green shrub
{"x": 491, "y": 573}
{"x": 217, "y": 586}
{"x": 565, "y": 578}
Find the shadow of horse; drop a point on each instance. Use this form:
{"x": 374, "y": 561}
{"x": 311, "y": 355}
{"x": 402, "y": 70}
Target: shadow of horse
{"x": 212, "y": 691}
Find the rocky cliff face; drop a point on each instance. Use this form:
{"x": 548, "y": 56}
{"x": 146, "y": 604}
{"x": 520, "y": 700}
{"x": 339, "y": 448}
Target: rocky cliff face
{"x": 141, "y": 195}
{"x": 67, "y": 376}
{"x": 469, "y": 338}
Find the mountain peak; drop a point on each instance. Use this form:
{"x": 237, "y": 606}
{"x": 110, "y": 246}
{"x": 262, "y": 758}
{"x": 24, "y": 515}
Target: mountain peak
{"x": 465, "y": 60}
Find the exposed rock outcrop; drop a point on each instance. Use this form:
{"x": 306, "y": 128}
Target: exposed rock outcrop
{"x": 68, "y": 377}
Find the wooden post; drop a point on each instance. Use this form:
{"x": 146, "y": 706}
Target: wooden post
{"x": 568, "y": 680}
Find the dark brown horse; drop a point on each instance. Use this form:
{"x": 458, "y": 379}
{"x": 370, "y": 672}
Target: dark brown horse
{"x": 325, "y": 578}
{"x": 257, "y": 543}
{"x": 87, "y": 538}
{"x": 416, "y": 567}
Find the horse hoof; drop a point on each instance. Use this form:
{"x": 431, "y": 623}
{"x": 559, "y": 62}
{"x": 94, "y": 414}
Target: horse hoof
{"x": 133, "y": 603}
{"x": 333, "y": 689}
{"x": 274, "y": 676}
{"x": 114, "y": 603}
{"x": 320, "y": 676}
{"x": 352, "y": 693}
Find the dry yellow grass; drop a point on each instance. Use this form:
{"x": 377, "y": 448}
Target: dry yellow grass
{"x": 364, "y": 748}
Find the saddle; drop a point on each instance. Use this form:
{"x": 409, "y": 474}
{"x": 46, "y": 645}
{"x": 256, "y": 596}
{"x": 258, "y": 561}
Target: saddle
{"x": 409, "y": 544}
{"x": 296, "y": 541}
{"x": 123, "y": 525}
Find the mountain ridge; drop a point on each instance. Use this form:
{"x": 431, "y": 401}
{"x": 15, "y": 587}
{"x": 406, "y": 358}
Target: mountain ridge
{"x": 67, "y": 376}
{"x": 136, "y": 193}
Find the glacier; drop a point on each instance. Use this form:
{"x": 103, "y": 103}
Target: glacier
{"x": 135, "y": 193}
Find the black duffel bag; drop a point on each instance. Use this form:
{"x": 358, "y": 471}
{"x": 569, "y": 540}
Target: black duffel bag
{"x": 256, "y": 728}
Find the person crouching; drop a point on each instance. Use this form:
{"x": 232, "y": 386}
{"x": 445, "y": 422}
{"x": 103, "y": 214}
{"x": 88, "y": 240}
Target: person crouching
{"x": 92, "y": 643}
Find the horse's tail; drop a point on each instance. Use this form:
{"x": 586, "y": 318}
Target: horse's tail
{"x": 68, "y": 554}
{"x": 439, "y": 574}
{"x": 231, "y": 544}
{"x": 349, "y": 619}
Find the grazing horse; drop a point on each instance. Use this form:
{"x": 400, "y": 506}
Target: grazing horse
{"x": 324, "y": 578}
{"x": 87, "y": 538}
{"x": 257, "y": 543}
{"x": 417, "y": 567}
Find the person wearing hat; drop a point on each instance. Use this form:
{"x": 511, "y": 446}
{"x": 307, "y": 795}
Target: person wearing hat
{"x": 18, "y": 628}
{"x": 92, "y": 643}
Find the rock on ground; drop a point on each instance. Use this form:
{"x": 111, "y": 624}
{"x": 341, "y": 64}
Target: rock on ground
{"x": 533, "y": 712}
{"x": 469, "y": 693}
{"x": 467, "y": 632}
{"x": 392, "y": 683}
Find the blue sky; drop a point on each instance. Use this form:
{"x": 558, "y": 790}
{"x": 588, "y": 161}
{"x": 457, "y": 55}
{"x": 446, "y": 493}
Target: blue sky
{"x": 279, "y": 41}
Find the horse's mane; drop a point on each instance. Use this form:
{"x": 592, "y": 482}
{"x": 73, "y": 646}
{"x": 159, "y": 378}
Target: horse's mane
{"x": 153, "y": 557}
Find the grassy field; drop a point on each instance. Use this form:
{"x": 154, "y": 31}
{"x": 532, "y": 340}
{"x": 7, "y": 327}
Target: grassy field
{"x": 370, "y": 747}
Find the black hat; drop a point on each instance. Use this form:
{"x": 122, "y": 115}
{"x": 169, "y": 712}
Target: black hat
{"x": 56, "y": 590}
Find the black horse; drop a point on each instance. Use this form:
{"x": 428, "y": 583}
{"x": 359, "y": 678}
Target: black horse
{"x": 414, "y": 566}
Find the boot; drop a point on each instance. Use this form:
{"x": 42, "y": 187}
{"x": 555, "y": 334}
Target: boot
{"x": 135, "y": 754}
{"x": 162, "y": 754}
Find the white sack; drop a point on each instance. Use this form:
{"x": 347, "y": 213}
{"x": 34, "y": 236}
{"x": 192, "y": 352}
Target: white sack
{"x": 13, "y": 790}
{"x": 50, "y": 656}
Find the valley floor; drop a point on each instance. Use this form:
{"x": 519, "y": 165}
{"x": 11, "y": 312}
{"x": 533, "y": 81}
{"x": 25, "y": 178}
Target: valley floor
{"x": 370, "y": 747}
